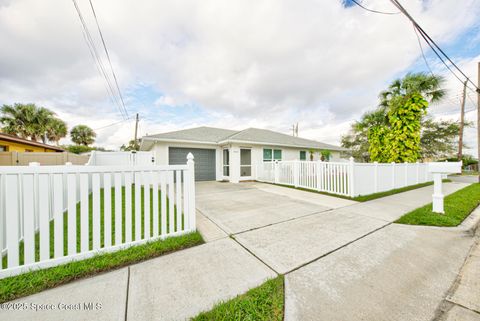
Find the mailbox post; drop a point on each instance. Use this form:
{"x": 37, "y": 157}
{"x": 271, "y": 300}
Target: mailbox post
{"x": 438, "y": 169}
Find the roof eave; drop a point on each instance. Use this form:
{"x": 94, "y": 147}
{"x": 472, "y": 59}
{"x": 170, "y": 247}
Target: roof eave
{"x": 236, "y": 141}
{"x": 187, "y": 141}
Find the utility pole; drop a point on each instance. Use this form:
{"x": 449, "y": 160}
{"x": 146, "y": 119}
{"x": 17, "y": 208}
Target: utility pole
{"x": 136, "y": 130}
{"x": 462, "y": 121}
{"x": 478, "y": 121}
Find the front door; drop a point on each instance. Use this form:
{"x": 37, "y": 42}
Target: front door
{"x": 245, "y": 164}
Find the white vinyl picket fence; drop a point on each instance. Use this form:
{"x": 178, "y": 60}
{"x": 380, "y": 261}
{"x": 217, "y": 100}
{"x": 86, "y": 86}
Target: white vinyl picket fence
{"x": 344, "y": 178}
{"x": 121, "y": 158}
{"x": 38, "y": 204}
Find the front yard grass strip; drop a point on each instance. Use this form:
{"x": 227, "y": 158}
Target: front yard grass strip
{"x": 457, "y": 207}
{"x": 32, "y": 282}
{"x": 265, "y": 302}
{"x": 369, "y": 197}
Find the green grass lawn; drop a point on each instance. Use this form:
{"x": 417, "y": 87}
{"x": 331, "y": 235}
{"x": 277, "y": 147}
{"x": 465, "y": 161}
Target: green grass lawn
{"x": 369, "y": 197}
{"x": 36, "y": 281}
{"x": 265, "y": 302}
{"x": 457, "y": 207}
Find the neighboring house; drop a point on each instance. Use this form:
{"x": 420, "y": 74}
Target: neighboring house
{"x": 223, "y": 154}
{"x": 9, "y": 143}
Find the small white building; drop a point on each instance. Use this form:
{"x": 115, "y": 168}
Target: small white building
{"x": 223, "y": 154}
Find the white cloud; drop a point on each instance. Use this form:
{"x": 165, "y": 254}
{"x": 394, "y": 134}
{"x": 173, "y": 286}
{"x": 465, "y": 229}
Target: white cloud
{"x": 246, "y": 63}
{"x": 165, "y": 100}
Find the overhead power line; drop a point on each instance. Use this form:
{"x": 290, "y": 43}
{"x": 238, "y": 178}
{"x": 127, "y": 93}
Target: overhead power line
{"x": 435, "y": 48}
{"x": 421, "y": 50}
{"x": 108, "y": 58}
{"x": 98, "y": 61}
{"x": 371, "y": 10}
{"x": 112, "y": 124}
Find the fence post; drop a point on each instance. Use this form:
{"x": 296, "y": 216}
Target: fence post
{"x": 191, "y": 191}
{"x": 295, "y": 173}
{"x": 92, "y": 160}
{"x": 393, "y": 175}
{"x": 276, "y": 175}
{"x": 375, "y": 179}
{"x": 406, "y": 174}
{"x": 318, "y": 168}
{"x": 417, "y": 180}
{"x": 352, "y": 177}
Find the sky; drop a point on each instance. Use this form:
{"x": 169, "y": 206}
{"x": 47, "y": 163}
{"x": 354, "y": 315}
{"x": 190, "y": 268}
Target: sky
{"x": 232, "y": 64}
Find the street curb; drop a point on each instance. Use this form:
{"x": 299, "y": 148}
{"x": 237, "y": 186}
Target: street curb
{"x": 471, "y": 222}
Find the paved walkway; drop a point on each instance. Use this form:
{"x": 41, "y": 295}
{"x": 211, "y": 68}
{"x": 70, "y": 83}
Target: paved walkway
{"x": 463, "y": 301}
{"x": 343, "y": 260}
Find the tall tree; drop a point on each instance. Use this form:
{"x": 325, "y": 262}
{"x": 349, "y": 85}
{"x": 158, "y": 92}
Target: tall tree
{"x": 132, "y": 145}
{"x": 56, "y": 130}
{"x": 428, "y": 86}
{"x": 19, "y": 120}
{"x": 31, "y": 122}
{"x": 399, "y": 141}
{"x": 404, "y": 103}
{"x": 42, "y": 123}
{"x": 393, "y": 132}
{"x": 82, "y": 135}
{"x": 439, "y": 138}
{"x": 357, "y": 138}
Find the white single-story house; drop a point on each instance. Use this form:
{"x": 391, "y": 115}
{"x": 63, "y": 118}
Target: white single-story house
{"x": 232, "y": 155}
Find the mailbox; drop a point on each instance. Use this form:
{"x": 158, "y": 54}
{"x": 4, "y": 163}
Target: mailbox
{"x": 445, "y": 167}
{"x": 438, "y": 169}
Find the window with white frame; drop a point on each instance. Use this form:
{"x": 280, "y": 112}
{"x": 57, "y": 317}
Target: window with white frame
{"x": 303, "y": 155}
{"x": 270, "y": 155}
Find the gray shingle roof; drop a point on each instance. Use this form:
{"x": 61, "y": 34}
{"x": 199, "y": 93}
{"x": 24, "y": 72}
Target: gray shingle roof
{"x": 198, "y": 134}
{"x": 270, "y": 137}
{"x": 254, "y": 135}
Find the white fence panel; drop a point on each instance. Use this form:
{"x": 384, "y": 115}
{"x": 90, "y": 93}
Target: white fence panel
{"x": 38, "y": 202}
{"x": 121, "y": 158}
{"x": 343, "y": 178}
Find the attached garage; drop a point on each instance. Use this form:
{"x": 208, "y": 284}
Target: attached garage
{"x": 204, "y": 161}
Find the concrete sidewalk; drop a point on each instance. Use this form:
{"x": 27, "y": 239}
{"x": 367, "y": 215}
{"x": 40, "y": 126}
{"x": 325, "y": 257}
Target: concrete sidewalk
{"x": 172, "y": 287}
{"x": 398, "y": 273}
{"x": 463, "y": 302}
{"x": 289, "y": 245}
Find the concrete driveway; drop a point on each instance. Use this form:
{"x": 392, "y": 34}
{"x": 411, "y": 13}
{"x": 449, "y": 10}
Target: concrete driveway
{"x": 237, "y": 208}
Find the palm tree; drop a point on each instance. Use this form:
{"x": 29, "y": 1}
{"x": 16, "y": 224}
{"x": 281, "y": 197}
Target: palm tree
{"x": 31, "y": 122}
{"x": 429, "y": 86}
{"x": 19, "y": 120}
{"x": 56, "y": 130}
{"x": 43, "y": 118}
{"x": 82, "y": 135}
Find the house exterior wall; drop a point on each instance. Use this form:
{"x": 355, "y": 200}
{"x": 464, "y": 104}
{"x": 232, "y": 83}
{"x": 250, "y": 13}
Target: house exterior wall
{"x": 288, "y": 153}
{"x": 19, "y": 147}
